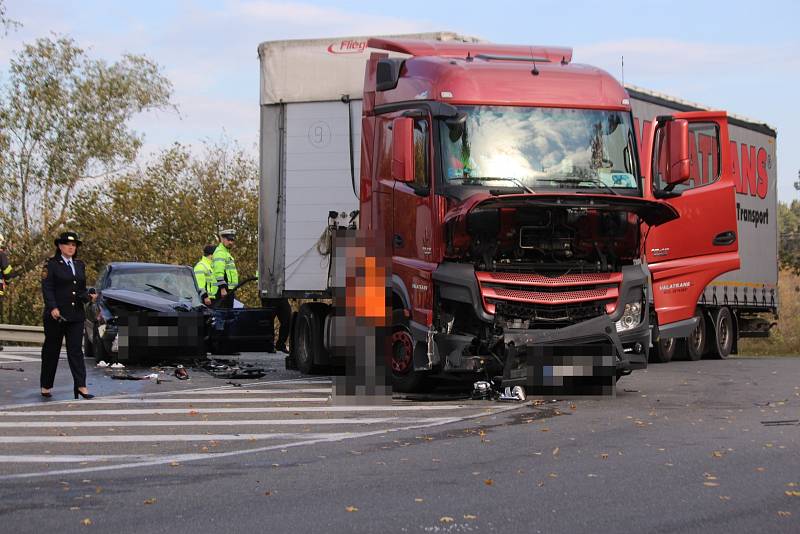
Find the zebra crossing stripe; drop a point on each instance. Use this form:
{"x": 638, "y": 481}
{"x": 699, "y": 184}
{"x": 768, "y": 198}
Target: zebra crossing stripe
{"x": 189, "y": 401}
{"x": 226, "y": 422}
{"x": 72, "y": 458}
{"x": 191, "y": 457}
{"x": 270, "y": 409}
{"x": 162, "y": 438}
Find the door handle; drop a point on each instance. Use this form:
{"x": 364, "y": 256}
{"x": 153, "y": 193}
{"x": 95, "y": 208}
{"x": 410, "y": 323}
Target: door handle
{"x": 725, "y": 238}
{"x": 398, "y": 241}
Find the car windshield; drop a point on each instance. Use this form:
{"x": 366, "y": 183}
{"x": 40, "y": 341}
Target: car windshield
{"x": 171, "y": 284}
{"x": 540, "y": 148}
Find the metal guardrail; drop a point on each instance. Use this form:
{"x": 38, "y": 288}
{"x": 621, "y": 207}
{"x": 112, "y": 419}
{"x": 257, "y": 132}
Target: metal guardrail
{"x": 22, "y": 334}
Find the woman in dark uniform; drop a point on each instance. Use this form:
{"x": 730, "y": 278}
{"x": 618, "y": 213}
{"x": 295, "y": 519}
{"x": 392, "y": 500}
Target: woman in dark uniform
{"x": 64, "y": 290}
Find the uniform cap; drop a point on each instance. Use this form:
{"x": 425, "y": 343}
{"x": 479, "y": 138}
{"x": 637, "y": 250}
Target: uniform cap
{"x": 68, "y": 237}
{"x": 230, "y": 234}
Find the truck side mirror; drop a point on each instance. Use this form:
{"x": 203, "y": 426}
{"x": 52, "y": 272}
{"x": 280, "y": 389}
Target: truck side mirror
{"x": 676, "y": 135}
{"x": 403, "y": 149}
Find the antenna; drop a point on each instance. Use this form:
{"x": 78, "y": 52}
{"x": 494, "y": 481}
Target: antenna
{"x": 622, "y": 59}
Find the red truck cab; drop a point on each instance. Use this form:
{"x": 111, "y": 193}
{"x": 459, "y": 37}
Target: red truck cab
{"x": 507, "y": 183}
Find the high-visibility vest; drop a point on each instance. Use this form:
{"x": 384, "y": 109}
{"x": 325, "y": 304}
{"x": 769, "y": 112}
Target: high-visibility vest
{"x": 5, "y": 270}
{"x": 204, "y": 275}
{"x": 224, "y": 268}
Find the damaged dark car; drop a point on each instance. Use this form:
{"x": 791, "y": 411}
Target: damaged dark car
{"x": 148, "y": 311}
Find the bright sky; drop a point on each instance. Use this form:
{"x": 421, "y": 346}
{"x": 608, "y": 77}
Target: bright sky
{"x": 743, "y": 57}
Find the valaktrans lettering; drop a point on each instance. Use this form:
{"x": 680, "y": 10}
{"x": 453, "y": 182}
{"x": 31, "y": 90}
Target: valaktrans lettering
{"x": 752, "y": 216}
{"x": 675, "y": 287}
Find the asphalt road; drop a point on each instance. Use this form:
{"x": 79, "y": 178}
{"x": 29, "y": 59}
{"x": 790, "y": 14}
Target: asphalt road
{"x": 703, "y": 446}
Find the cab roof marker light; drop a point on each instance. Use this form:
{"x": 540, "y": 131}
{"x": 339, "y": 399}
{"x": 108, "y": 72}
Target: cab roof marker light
{"x": 446, "y": 94}
{"x": 626, "y": 102}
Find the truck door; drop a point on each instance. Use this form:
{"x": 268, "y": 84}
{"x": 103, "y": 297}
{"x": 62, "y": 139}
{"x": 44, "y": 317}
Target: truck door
{"x": 686, "y": 254}
{"x": 412, "y": 230}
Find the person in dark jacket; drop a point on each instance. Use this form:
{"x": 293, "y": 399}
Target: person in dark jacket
{"x": 64, "y": 291}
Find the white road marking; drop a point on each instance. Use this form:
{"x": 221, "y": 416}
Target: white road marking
{"x": 226, "y": 422}
{"x": 71, "y": 458}
{"x": 163, "y": 460}
{"x": 242, "y": 391}
{"x": 277, "y": 409}
{"x": 206, "y": 400}
{"x": 160, "y": 438}
{"x": 18, "y": 358}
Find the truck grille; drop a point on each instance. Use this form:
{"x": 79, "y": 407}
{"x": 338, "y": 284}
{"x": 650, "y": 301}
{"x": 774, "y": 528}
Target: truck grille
{"x": 548, "y": 302}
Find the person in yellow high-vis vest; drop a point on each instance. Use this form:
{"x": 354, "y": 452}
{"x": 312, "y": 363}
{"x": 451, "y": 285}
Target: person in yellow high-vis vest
{"x": 204, "y": 274}
{"x": 6, "y": 273}
{"x": 224, "y": 267}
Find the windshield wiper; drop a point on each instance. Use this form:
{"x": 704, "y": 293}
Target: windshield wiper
{"x": 583, "y": 180}
{"x": 516, "y": 181}
{"x": 161, "y": 289}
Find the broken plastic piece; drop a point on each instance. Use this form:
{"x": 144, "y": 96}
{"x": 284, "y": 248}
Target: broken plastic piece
{"x": 101, "y": 363}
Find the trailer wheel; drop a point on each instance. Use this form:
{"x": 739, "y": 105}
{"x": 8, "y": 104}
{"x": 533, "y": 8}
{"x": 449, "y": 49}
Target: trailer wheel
{"x": 308, "y": 344}
{"x": 98, "y": 349}
{"x": 663, "y": 350}
{"x": 697, "y": 340}
{"x": 723, "y": 332}
{"x": 401, "y": 359}
{"x": 88, "y": 351}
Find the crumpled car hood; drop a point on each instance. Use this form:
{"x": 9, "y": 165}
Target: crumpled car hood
{"x": 144, "y": 300}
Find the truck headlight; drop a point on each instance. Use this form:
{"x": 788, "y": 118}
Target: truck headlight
{"x": 631, "y": 317}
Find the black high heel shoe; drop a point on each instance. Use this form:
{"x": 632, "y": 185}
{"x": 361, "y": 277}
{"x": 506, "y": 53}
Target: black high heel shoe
{"x": 86, "y": 396}
{"x": 47, "y": 394}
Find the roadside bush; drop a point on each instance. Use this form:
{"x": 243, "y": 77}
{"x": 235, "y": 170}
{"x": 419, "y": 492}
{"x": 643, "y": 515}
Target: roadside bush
{"x": 785, "y": 337}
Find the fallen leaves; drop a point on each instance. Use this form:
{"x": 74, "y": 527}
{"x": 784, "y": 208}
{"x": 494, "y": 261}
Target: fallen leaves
{"x": 488, "y": 482}
{"x": 418, "y": 499}
{"x": 268, "y": 493}
{"x": 552, "y": 475}
{"x": 470, "y": 516}
{"x": 792, "y": 493}
{"x": 446, "y": 519}
{"x": 717, "y": 454}
{"x": 151, "y": 500}
{"x": 351, "y": 509}
{"x": 86, "y": 522}
{"x": 604, "y": 456}
{"x": 782, "y": 513}
{"x": 556, "y": 452}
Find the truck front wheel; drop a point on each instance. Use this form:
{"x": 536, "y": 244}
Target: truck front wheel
{"x": 663, "y": 350}
{"x": 723, "y": 332}
{"x": 696, "y": 342}
{"x": 401, "y": 359}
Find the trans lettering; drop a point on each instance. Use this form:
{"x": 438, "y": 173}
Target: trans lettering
{"x": 748, "y": 162}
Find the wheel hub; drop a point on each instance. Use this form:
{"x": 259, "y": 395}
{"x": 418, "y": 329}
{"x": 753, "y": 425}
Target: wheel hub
{"x": 402, "y": 352}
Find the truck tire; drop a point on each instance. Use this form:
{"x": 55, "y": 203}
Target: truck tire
{"x": 697, "y": 342}
{"x": 401, "y": 358}
{"x": 663, "y": 350}
{"x": 88, "y": 352}
{"x": 308, "y": 347}
{"x": 98, "y": 349}
{"x": 722, "y": 334}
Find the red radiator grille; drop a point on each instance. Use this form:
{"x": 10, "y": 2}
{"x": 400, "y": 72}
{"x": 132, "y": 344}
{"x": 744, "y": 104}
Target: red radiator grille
{"x": 530, "y": 279}
{"x": 536, "y": 289}
{"x": 546, "y": 297}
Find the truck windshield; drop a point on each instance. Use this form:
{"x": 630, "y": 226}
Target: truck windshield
{"x": 540, "y": 148}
